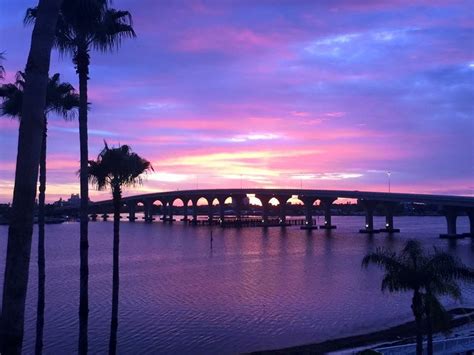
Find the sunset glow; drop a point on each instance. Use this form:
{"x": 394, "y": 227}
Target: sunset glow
{"x": 326, "y": 95}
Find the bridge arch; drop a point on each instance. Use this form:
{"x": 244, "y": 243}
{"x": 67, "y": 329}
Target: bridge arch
{"x": 140, "y": 207}
{"x": 197, "y": 203}
{"x": 177, "y": 205}
{"x": 325, "y": 200}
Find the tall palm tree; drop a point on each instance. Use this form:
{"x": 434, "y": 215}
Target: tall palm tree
{"x": 426, "y": 275}
{"x": 26, "y": 176}
{"x": 84, "y": 25}
{"x": 62, "y": 100}
{"x": 115, "y": 168}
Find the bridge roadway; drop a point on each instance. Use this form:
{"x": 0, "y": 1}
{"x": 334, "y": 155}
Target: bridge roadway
{"x": 452, "y": 206}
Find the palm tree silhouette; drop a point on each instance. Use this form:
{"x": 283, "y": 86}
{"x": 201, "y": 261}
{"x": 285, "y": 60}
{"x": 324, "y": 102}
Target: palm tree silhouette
{"x": 427, "y": 275}
{"x": 26, "y": 177}
{"x": 115, "y": 168}
{"x": 62, "y": 100}
{"x": 84, "y": 25}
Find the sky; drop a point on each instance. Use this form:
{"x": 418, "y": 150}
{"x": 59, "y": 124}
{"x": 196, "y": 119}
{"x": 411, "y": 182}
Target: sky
{"x": 283, "y": 93}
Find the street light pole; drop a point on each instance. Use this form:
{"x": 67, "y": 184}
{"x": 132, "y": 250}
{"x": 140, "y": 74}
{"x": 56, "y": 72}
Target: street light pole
{"x": 389, "y": 173}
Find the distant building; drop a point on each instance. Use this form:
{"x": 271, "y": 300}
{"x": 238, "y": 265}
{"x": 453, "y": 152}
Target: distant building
{"x": 59, "y": 203}
{"x": 73, "y": 201}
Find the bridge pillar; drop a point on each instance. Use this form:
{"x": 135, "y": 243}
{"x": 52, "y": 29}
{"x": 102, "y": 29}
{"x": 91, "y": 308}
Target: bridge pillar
{"x": 164, "y": 210}
{"x": 185, "y": 210}
{"x": 170, "y": 211}
{"x": 282, "y": 199}
{"x": 148, "y": 211}
{"x": 389, "y": 210}
{"x": 195, "y": 212}
{"x": 237, "y": 201}
{"x": 221, "y": 209}
{"x": 369, "y": 207}
{"x": 326, "y": 203}
{"x": 265, "y": 200}
{"x": 451, "y": 214}
{"x": 308, "y": 205}
{"x": 210, "y": 210}
{"x": 470, "y": 215}
{"x": 131, "y": 212}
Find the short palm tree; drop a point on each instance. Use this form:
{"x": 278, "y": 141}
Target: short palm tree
{"x": 62, "y": 100}
{"x": 115, "y": 168}
{"x": 442, "y": 271}
{"x": 84, "y": 25}
{"x": 426, "y": 275}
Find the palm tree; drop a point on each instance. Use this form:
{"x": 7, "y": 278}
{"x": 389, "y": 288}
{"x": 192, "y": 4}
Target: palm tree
{"x": 116, "y": 167}
{"x": 442, "y": 272}
{"x": 84, "y": 25}
{"x": 426, "y": 275}
{"x": 62, "y": 100}
{"x": 26, "y": 176}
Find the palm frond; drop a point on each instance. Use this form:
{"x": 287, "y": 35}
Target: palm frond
{"x": 2, "y": 68}
{"x": 30, "y": 15}
{"x": 60, "y": 97}
{"x": 118, "y": 167}
{"x": 114, "y": 26}
{"x": 97, "y": 174}
{"x": 413, "y": 252}
{"x": 382, "y": 258}
{"x": 449, "y": 267}
{"x": 440, "y": 318}
{"x": 12, "y": 100}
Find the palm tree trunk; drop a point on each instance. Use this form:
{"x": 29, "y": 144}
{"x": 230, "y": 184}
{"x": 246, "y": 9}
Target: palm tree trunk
{"x": 417, "y": 309}
{"x": 41, "y": 259}
{"x": 26, "y": 177}
{"x": 115, "y": 278}
{"x": 429, "y": 326}
{"x": 82, "y": 69}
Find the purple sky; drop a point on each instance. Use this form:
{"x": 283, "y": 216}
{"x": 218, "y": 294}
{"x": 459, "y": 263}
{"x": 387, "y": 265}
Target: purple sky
{"x": 319, "y": 94}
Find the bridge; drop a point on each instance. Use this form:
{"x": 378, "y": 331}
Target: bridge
{"x": 451, "y": 206}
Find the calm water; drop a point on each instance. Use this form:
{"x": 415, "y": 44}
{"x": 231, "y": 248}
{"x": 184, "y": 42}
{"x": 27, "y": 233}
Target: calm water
{"x": 255, "y": 290}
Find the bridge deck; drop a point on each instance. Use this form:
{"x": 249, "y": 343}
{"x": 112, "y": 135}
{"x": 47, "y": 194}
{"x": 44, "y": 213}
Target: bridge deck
{"x": 445, "y": 200}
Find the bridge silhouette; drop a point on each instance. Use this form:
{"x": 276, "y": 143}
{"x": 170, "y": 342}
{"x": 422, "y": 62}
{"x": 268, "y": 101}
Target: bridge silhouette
{"x": 451, "y": 206}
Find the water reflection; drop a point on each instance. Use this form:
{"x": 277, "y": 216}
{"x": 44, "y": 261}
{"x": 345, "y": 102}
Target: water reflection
{"x": 256, "y": 288}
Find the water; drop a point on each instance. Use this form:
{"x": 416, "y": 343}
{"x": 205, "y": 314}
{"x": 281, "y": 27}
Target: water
{"x": 255, "y": 290}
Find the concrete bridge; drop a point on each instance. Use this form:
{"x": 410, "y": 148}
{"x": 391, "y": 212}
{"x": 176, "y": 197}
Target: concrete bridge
{"x": 452, "y": 206}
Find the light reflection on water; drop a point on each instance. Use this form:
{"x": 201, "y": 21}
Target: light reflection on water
{"x": 256, "y": 289}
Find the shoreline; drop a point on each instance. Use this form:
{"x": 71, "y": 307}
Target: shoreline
{"x": 396, "y": 335}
